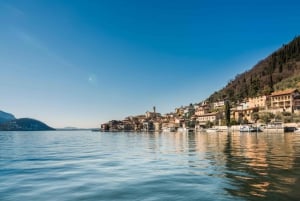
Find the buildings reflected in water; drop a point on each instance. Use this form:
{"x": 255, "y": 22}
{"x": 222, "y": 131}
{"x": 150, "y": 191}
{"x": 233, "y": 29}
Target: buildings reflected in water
{"x": 254, "y": 165}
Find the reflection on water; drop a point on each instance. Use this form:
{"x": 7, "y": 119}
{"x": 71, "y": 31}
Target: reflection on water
{"x": 257, "y": 165}
{"x": 149, "y": 166}
{"x": 263, "y": 165}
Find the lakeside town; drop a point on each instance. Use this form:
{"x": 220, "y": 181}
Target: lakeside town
{"x": 279, "y": 111}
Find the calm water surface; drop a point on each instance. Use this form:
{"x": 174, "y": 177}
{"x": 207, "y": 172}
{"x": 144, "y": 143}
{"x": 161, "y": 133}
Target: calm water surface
{"x": 84, "y": 165}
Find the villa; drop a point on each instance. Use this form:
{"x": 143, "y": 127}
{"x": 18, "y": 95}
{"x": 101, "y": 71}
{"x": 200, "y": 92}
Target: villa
{"x": 285, "y": 101}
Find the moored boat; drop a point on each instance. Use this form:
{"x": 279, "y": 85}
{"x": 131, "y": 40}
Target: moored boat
{"x": 250, "y": 129}
{"x": 212, "y": 130}
{"x": 168, "y": 129}
{"x": 297, "y": 130}
{"x": 288, "y": 129}
{"x": 274, "y": 127}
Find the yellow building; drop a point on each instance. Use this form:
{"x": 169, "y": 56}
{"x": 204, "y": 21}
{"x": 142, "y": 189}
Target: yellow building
{"x": 240, "y": 115}
{"x": 201, "y": 110}
{"x": 219, "y": 104}
{"x": 285, "y": 100}
{"x": 212, "y": 117}
{"x": 259, "y": 101}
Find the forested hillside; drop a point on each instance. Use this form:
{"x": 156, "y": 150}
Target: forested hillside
{"x": 24, "y": 124}
{"x": 278, "y": 71}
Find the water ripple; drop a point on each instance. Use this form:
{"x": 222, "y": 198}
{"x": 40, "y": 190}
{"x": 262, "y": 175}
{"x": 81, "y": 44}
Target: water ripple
{"x": 91, "y": 166}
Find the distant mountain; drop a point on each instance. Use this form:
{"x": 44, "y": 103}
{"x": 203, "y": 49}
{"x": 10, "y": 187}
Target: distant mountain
{"x": 4, "y": 117}
{"x": 70, "y": 128}
{"x": 278, "y": 71}
{"x": 24, "y": 124}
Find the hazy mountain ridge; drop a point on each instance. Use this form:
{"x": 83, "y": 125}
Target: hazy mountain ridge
{"x": 4, "y": 117}
{"x": 24, "y": 124}
{"x": 268, "y": 75}
{"x": 8, "y": 122}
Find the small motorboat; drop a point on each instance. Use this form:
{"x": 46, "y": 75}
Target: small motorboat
{"x": 249, "y": 129}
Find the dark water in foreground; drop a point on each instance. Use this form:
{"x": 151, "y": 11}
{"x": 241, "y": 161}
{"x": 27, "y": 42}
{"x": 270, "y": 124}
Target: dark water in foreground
{"x": 90, "y": 166}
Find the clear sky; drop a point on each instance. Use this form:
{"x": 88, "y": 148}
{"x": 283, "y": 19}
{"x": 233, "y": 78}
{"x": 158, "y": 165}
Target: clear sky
{"x": 81, "y": 63}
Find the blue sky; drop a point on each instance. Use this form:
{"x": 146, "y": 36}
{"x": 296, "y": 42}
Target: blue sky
{"x": 81, "y": 63}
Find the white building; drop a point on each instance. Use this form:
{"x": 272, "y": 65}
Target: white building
{"x": 219, "y": 104}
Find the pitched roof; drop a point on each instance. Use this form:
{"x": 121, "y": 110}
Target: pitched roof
{"x": 287, "y": 91}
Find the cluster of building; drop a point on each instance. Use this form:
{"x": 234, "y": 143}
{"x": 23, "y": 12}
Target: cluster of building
{"x": 206, "y": 114}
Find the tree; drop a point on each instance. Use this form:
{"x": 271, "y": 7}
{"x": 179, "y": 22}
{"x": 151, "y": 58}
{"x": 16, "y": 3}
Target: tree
{"x": 209, "y": 124}
{"x": 255, "y": 116}
{"x": 245, "y": 121}
{"x": 266, "y": 117}
{"x": 227, "y": 113}
{"x": 233, "y": 122}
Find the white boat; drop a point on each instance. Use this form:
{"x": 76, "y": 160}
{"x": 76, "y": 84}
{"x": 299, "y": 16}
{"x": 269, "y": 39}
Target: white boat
{"x": 182, "y": 130}
{"x": 212, "y": 130}
{"x": 169, "y": 129}
{"x": 249, "y": 129}
{"x": 275, "y": 127}
{"x": 297, "y": 130}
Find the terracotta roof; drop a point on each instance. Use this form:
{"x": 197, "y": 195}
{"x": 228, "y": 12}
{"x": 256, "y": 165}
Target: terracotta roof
{"x": 287, "y": 91}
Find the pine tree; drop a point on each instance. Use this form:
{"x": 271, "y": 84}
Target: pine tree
{"x": 227, "y": 113}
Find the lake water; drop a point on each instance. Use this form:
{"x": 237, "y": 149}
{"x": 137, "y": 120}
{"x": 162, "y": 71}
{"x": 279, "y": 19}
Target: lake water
{"x": 92, "y": 166}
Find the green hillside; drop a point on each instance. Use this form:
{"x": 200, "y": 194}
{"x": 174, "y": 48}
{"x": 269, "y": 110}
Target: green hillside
{"x": 278, "y": 71}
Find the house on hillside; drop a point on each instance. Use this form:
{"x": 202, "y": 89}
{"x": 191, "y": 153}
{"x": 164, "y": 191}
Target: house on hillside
{"x": 219, "y": 105}
{"x": 258, "y": 101}
{"x": 189, "y": 111}
{"x": 287, "y": 100}
{"x": 202, "y": 109}
{"x": 152, "y": 115}
{"x": 296, "y": 103}
{"x": 243, "y": 114}
{"x": 179, "y": 111}
{"x": 213, "y": 117}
